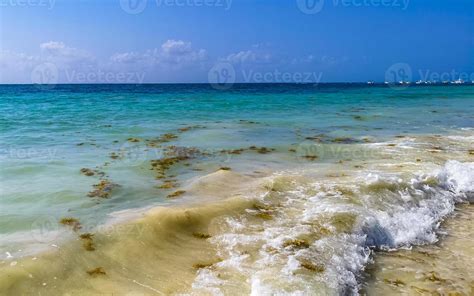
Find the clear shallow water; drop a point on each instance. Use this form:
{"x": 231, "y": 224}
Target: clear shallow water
{"x": 323, "y": 137}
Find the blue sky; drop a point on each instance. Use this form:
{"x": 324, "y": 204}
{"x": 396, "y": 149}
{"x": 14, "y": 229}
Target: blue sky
{"x": 258, "y": 41}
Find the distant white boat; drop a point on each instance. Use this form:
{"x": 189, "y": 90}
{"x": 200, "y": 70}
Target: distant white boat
{"x": 459, "y": 81}
{"x": 370, "y": 82}
{"x": 420, "y": 82}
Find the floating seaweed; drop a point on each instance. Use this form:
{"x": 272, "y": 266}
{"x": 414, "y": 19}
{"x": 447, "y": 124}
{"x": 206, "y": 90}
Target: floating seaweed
{"x": 168, "y": 184}
{"x": 201, "y": 235}
{"x": 87, "y": 172}
{"x": 87, "y": 241}
{"x": 202, "y": 265}
{"x": 296, "y": 243}
{"x": 96, "y": 271}
{"x": 72, "y": 222}
{"x": 176, "y": 194}
{"x": 395, "y": 282}
{"x": 311, "y": 266}
{"x": 225, "y": 168}
{"x": 103, "y": 189}
{"x": 434, "y": 277}
{"x": 133, "y": 140}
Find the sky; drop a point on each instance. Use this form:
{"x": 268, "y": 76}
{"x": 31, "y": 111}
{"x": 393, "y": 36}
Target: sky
{"x": 201, "y": 41}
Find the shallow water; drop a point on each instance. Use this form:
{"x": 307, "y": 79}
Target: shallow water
{"x": 268, "y": 189}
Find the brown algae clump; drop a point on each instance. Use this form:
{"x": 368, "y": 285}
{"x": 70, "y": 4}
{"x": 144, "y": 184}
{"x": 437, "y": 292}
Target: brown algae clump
{"x": 87, "y": 242}
{"x": 164, "y": 164}
{"x": 296, "y": 243}
{"x": 72, "y": 222}
{"x": 168, "y": 184}
{"x": 96, "y": 271}
{"x": 225, "y": 168}
{"x": 103, "y": 189}
{"x": 87, "y": 172}
{"x": 202, "y": 265}
{"x": 471, "y": 152}
{"x": 396, "y": 282}
{"x": 133, "y": 140}
{"x": 201, "y": 235}
{"x": 311, "y": 266}
{"x": 114, "y": 155}
{"x": 176, "y": 194}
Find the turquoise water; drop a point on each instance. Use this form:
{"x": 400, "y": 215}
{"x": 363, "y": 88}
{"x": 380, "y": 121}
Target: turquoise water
{"x": 346, "y": 169}
{"x": 41, "y": 130}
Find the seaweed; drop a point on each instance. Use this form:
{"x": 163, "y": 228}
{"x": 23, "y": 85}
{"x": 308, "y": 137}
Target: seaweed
{"x": 296, "y": 243}
{"x": 86, "y": 236}
{"x": 225, "y": 168}
{"x": 133, "y": 140}
{"x": 87, "y": 241}
{"x": 434, "y": 277}
{"x": 202, "y": 265}
{"x": 471, "y": 152}
{"x": 395, "y": 282}
{"x": 103, "y": 189}
{"x": 168, "y": 184}
{"x": 311, "y": 266}
{"x": 87, "y": 172}
{"x": 201, "y": 235}
{"x": 72, "y": 222}
{"x": 176, "y": 194}
{"x": 96, "y": 271}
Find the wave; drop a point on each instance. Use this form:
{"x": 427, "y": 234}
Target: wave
{"x": 284, "y": 234}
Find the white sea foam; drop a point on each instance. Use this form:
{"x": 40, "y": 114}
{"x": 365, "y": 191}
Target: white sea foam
{"x": 400, "y": 212}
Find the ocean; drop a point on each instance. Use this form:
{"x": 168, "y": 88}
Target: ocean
{"x": 260, "y": 189}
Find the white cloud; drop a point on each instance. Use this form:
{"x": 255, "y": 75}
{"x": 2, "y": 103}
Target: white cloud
{"x": 249, "y": 56}
{"x": 63, "y": 55}
{"x": 177, "y": 53}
